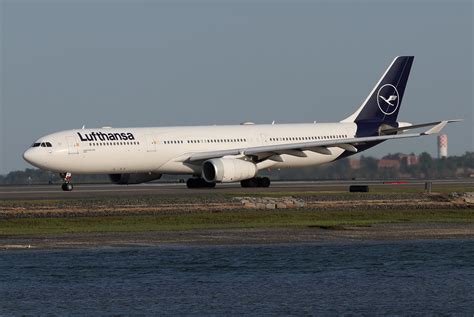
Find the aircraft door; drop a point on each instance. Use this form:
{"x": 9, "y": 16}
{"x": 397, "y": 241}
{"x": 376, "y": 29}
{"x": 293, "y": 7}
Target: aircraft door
{"x": 150, "y": 143}
{"x": 73, "y": 146}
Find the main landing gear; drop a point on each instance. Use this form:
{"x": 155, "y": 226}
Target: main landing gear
{"x": 256, "y": 182}
{"x": 199, "y": 182}
{"x": 67, "y": 185}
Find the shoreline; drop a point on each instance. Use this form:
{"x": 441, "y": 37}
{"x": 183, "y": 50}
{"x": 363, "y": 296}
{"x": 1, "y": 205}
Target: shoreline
{"x": 248, "y": 236}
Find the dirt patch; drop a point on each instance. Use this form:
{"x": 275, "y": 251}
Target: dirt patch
{"x": 172, "y": 205}
{"x": 382, "y": 232}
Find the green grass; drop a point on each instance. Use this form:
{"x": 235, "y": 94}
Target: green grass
{"x": 229, "y": 220}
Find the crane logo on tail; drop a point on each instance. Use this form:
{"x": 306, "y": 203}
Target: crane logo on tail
{"x": 388, "y": 99}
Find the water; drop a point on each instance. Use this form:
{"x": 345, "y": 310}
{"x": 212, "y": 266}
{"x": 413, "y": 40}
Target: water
{"x": 395, "y": 278}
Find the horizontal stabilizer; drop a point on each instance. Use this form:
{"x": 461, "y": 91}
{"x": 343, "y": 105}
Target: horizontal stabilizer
{"x": 416, "y": 126}
{"x": 436, "y": 128}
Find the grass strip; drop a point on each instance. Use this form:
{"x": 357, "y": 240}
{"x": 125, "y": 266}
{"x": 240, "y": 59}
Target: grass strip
{"x": 229, "y": 220}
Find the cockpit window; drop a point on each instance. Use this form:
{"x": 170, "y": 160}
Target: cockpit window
{"x": 42, "y": 144}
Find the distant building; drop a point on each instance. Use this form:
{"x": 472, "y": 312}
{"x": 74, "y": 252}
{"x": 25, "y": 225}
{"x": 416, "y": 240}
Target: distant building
{"x": 442, "y": 146}
{"x": 411, "y": 159}
{"x": 354, "y": 164}
{"x": 406, "y": 159}
{"x": 386, "y": 163}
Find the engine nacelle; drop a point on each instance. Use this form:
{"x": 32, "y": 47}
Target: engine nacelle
{"x": 133, "y": 178}
{"x": 226, "y": 170}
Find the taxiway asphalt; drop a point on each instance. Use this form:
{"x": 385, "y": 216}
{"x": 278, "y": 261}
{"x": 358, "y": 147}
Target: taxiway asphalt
{"x": 88, "y": 191}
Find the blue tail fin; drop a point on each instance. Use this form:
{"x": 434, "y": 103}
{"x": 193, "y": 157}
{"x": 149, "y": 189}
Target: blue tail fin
{"x": 383, "y": 103}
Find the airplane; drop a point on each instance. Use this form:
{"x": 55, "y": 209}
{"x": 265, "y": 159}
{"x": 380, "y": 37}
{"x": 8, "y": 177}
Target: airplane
{"x": 230, "y": 153}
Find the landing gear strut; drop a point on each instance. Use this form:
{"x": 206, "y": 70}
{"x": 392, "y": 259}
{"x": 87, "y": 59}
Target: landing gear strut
{"x": 67, "y": 185}
{"x": 256, "y": 182}
{"x": 199, "y": 182}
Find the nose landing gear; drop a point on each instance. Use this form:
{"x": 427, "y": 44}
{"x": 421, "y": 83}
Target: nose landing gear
{"x": 67, "y": 184}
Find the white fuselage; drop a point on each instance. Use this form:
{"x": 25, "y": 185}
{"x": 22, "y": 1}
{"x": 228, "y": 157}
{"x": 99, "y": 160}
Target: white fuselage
{"x": 163, "y": 150}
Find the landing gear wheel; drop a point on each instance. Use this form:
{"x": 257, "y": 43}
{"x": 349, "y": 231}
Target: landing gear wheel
{"x": 198, "y": 182}
{"x": 247, "y": 183}
{"x": 251, "y": 182}
{"x": 191, "y": 183}
{"x": 67, "y": 187}
{"x": 255, "y": 182}
{"x": 263, "y": 182}
{"x": 211, "y": 185}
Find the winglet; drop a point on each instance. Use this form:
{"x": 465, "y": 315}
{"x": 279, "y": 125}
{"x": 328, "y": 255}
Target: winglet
{"x": 436, "y": 128}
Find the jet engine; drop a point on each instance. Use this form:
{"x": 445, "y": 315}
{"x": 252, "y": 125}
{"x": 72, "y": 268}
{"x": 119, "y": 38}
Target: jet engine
{"x": 226, "y": 170}
{"x": 133, "y": 178}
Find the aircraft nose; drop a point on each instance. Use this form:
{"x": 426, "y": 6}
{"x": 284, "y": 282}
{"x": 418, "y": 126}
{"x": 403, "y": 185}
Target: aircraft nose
{"x": 30, "y": 156}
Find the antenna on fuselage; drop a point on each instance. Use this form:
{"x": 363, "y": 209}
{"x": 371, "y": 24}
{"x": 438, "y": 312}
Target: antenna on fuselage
{"x": 83, "y": 126}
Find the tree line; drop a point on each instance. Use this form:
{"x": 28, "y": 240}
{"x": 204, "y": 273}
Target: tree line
{"x": 427, "y": 168}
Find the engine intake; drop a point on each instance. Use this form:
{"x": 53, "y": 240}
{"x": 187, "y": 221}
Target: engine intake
{"x": 226, "y": 170}
{"x": 133, "y": 178}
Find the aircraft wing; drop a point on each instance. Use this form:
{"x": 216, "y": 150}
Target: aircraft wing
{"x": 296, "y": 149}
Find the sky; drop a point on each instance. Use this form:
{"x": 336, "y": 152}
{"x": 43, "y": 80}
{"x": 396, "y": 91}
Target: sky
{"x": 65, "y": 64}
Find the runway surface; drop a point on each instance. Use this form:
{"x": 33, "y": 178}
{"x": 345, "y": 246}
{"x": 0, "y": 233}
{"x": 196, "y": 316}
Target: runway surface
{"x": 82, "y": 191}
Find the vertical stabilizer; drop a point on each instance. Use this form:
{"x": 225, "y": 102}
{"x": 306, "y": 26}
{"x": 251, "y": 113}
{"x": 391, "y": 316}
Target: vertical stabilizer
{"x": 383, "y": 102}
